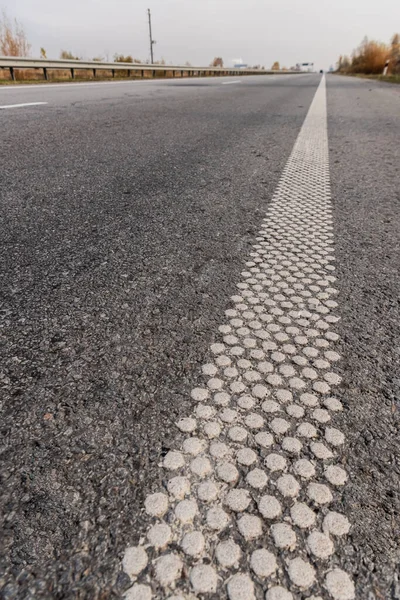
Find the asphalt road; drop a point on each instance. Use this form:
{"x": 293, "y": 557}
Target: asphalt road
{"x": 127, "y": 213}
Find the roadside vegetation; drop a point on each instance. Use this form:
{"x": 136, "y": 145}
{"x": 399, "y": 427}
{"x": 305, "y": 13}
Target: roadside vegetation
{"x": 14, "y": 42}
{"x": 372, "y": 58}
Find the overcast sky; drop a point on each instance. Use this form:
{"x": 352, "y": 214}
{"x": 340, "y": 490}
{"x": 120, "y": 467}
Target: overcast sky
{"x": 258, "y": 31}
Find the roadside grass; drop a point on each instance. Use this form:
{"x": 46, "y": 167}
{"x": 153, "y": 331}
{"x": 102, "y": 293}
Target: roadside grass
{"x": 24, "y": 77}
{"x": 388, "y": 78}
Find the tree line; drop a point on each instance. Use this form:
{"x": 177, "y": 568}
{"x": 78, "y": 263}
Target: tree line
{"x": 371, "y": 57}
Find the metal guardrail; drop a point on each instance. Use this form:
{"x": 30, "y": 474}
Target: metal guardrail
{"x": 15, "y": 63}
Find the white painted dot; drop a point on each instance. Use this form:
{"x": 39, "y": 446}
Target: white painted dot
{"x": 335, "y": 524}
{"x": 186, "y": 510}
{"x": 212, "y": 429}
{"x": 228, "y": 415}
{"x": 278, "y": 593}
{"x": 179, "y": 487}
{"x": 237, "y": 500}
{"x": 246, "y": 457}
{"x": 237, "y": 434}
{"x": 302, "y": 515}
{"x": 275, "y": 380}
{"x": 134, "y": 561}
{"x": 199, "y": 394}
{"x": 333, "y": 404}
{"x": 254, "y": 421}
{"x": 301, "y": 573}
{"x": 138, "y": 592}
{"x": 205, "y": 412}
{"x": 243, "y": 363}
{"x": 207, "y": 491}
{"x": 260, "y": 391}
{"x": 156, "y": 505}
{"x": 223, "y": 361}
{"x": 219, "y": 450}
{"x": 263, "y": 563}
{"x": 321, "y": 387}
{"x": 270, "y": 406}
{"x": 228, "y": 472}
{"x": 250, "y": 527}
{"x": 222, "y": 399}
{"x": 193, "y": 446}
{"x": 307, "y": 430}
{"x": 269, "y": 507}
{"x": 200, "y": 466}
{"x": 292, "y": 445}
{"x": 320, "y": 545}
{"x": 193, "y": 543}
{"x": 319, "y": 493}
{"x": 288, "y": 486}
{"x": 284, "y": 396}
{"x": 275, "y": 462}
{"x": 240, "y": 587}
{"x": 264, "y": 439}
{"x": 265, "y": 367}
{"x": 231, "y": 372}
{"x": 209, "y": 369}
{"x": 237, "y": 387}
{"x": 296, "y": 411}
{"x": 159, "y": 535}
{"x": 257, "y": 479}
{"x": 203, "y": 579}
{"x": 304, "y": 468}
{"x": 332, "y": 378}
{"x": 309, "y": 399}
{"x": 279, "y": 426}
{"x": 283, "y": 535}
{"x": 228, "y": 554}
{"x": 334, "y": 436}
{"x": 321, "y": 415}
{"x": 339, "y": 585}
{"x": 217, "y": 349}
{"x": 320, "y": 450}
{"x": 246, "y": 402}
{"x": 336, "y": 475}
{"x": 174, "y": 460}
{"x": 168, "y": 569}
{"x": 217, "y": 518}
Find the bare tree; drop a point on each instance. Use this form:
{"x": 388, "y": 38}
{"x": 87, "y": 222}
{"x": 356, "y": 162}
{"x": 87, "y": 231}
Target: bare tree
{"x": 13, "y": 41}
{"x": 124, "y": 59}
{"x": 275, "y": 66}
{"x": 217, "y": 62}
{"x": 66, "y": 55}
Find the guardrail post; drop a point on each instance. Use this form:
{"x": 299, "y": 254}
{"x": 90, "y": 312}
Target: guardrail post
{"x": 12, "y": 73}
{"x": 129, "y": 72}
{"x": 113, "y": 72}
{"x": 45, "y": 73}
{"x": 142, "y": 73}
{"x": 94, "y": 72}
{"x": 72, "y": 73}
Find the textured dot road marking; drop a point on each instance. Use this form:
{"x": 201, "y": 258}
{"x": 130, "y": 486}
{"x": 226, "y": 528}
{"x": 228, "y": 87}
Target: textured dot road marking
{"x": 246, "y": 510}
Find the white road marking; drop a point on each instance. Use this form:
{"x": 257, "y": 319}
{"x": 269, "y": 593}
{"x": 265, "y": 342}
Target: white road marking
{"x": 22, "y": 105}
{"x": 249, "y": 491}
{"x": 230, "y": 82}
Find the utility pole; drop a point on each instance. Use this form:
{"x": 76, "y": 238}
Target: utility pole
{"x": 152, "y": 42}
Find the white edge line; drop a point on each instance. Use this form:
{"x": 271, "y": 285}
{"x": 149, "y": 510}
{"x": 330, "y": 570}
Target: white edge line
{"x": 230, "y": 82}
{"x": 21, "y": 105}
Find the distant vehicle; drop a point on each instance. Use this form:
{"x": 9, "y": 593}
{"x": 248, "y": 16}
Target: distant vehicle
{"x": 321, "y": 70}
{"x": 306, "y": 67}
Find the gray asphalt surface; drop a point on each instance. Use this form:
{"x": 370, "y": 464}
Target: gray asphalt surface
{"x": 126, "y": 211}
